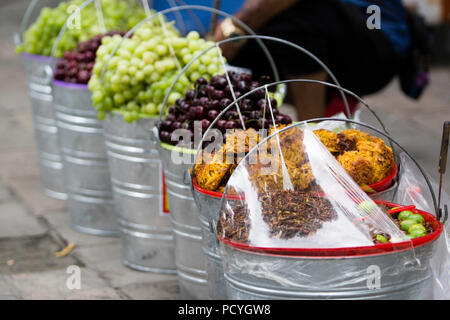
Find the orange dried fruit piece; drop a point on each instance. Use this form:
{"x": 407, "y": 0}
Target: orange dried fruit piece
{"x": 358, "y": 167}
{"x": 212, "y": 172}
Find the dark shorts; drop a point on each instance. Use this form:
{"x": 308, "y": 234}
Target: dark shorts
{"x": 362, "y": 60}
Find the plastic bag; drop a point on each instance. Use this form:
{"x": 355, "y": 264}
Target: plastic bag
{"x": 270, "y": 252}
{"x": 413, "y": 189}
{"x": 292, "y": 193}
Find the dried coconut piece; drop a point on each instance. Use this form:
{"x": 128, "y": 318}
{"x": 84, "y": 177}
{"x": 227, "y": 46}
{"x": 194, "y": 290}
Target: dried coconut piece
{"x": 358, "y": 167}
{"x": 380, "y": 156}
{"x": 212, "y": 173}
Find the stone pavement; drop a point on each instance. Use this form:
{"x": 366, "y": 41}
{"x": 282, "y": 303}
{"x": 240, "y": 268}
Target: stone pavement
{"x": 33, "y": 227}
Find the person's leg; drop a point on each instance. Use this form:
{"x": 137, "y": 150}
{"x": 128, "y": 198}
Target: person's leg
{"x": 309, "y": 98}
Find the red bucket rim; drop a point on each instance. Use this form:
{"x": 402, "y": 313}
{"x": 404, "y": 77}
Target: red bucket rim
{"x": 377, "y": 249}
{"x": 214, "y": 194}
{"x": 386, "y": 183}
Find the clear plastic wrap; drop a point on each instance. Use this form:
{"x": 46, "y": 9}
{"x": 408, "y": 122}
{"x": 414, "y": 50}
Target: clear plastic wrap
{"x": 294, "y": 225}
{"x": 292, "y": 193}
{"x": 413, "y": 189}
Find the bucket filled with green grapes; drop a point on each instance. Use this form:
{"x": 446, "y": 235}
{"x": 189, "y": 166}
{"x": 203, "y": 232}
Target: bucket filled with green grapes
{"x": 130, "y": 79}
{"x": 36, "y": 44}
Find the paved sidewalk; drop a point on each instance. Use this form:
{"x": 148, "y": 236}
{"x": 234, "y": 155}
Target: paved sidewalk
{"x": 33, "y": 227}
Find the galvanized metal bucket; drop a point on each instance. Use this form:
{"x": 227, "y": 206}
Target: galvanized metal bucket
{"x": 39, "y": 83}
{"x": 209, "y": 207}
{"x": 386, "y": 195}
{"x": 82, "y": 145}
{"x": 138, "y": 187}
{"x": 184, "y": 215}
{"x": 252, "y": 274}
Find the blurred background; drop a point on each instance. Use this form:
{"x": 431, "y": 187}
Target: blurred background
{"x": 417, "y": 124}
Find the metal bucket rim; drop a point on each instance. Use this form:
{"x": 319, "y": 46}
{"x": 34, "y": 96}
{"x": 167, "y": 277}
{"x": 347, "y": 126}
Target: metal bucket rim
{"x": 349, "y": 252}
{"x": 214, "y": 194}
{"x": 385, "y": 183}
{"x": 142, "y": 116}
{"x": 170, "y": 147}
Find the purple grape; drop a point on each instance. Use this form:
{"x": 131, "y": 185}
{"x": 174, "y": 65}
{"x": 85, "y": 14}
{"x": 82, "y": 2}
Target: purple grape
{"x": 200, "y": 112}
{"x": 185, "y": 107}
{"x": 180, "y": 101}
{"x": 209, "y": 89}
{"x": 201, "y": 81}
{"x": 255, "y": 115}
{"x": 59, "y": 74}
{"x": 170, "y": 117}
{"x": 221, "y": 125}
{"x": 89, "y": 56}
{"x": 83, "y": 77}
{"x": 279, "y": 119}
{"x": 166, "y": 125}
{"x": 202, "y": 92}
{"x": 205, "y": 124}
{"x": 287, "y": 119}
{"x": 203, "y": 101}
{"x": 173, "y": 110}
{"x": 165, "y": 136}
{"x": 192, "y": 114}
{"x": 242, "y": 86}
{"x": 230, "y": 125}
{"x": 190, "y": 94}
{"x": 214, "y": 104}
{"x": 218, "y": 94}
{"x": 231, "y": 114}
{"x": 176, "y": 125}
{"x": 262, "y": 103}
{"x": 72, "y": 72}
{"x": 68, "y": 55}
{"x": 246, "y": 77}
{"x": 246, "y": 105}
{"x": 273, "y": 102}
{"x": 220, "y": 83}
{"x": 212, "y": 114}
{"x": 182, "y": 118}
{"x": 225, "y": 102}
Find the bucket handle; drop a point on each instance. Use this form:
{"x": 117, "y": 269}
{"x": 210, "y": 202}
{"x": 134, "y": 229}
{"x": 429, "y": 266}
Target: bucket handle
{"x": 231, "y": 105}
{"x": 190, "y": 8}
{"x": 23, "y": 24}
{"x": 258, "y": 38}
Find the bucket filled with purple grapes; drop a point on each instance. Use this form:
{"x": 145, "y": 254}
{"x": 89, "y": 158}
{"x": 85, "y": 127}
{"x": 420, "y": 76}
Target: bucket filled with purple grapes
{"x": 189, "y": 117}
{"x": 82, "y": 144}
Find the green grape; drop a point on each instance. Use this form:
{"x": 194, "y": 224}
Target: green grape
{"x": 40, "y": 37}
